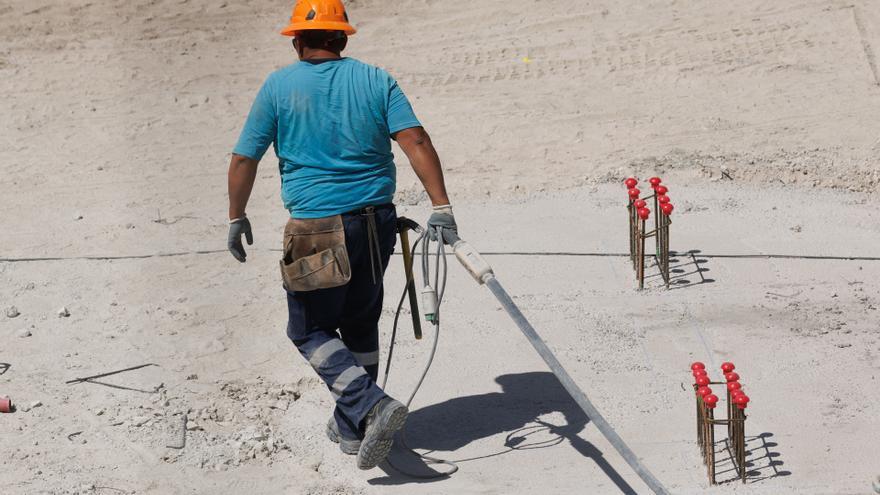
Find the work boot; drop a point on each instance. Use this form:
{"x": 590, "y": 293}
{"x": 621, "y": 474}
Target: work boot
{"x": 350, "y": 446}
{"x": 382, "y": 422}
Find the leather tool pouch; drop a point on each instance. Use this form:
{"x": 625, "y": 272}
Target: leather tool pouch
{"x": 315, "y": 256}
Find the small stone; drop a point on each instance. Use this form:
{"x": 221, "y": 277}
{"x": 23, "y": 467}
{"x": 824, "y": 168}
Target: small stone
{"x": 63, "y": 312}
{"x": 193, "y": 426}
{"x": 314, "y": 462}
{"x": 78, "y": 217}
{"x": 23, "y": 333}
{"x": 100, "y": 411}
{"x": 281, "y": 405}
{"x": 192, "y": 377}
{"x": 12, "y": 312}
{"x": 140, "y": 421}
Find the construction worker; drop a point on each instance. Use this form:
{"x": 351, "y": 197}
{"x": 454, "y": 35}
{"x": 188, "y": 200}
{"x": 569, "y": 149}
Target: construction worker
{"x": 331, "y": 120}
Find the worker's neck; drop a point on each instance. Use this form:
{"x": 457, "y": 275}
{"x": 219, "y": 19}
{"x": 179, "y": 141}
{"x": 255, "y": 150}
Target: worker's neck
{"x": 319, "y": 54}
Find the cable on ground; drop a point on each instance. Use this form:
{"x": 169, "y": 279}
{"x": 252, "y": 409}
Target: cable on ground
{"x": 440, "y": 277}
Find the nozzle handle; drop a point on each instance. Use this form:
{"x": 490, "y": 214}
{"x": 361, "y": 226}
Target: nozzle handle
{"x": 472, "y": 260}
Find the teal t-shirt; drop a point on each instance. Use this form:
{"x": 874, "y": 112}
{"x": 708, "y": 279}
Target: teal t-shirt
{"x": 331, "y": 123}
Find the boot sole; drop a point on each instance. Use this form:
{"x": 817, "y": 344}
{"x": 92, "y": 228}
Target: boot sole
{"x": 378, "y": 441}
{"x": 350, "y": 447}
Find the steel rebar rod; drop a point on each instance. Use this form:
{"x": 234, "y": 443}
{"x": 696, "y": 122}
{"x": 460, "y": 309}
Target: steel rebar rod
{"x": 102, "y": 375}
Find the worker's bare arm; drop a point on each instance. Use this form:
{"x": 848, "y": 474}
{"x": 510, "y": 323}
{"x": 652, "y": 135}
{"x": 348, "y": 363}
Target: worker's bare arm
{"x": 416, "y": 143}
{"x": 242, "y": 174}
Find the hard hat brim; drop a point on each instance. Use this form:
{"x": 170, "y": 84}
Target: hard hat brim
{"x": 292, "y": 29}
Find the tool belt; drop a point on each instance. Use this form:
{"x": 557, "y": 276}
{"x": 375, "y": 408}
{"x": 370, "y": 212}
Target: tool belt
{"x": 315, "y": 256}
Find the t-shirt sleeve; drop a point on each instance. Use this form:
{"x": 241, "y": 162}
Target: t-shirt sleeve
{"x": 400, "y": 112}
{"x": 261, "y": 126}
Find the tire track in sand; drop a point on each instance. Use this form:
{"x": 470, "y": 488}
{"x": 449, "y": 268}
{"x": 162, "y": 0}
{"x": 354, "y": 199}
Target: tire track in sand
{"x": 866, "y": 44}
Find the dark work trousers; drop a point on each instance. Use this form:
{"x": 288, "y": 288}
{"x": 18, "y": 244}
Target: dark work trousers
{"x": 317, "y": 319}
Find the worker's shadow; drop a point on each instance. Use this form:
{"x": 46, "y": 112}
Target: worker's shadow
{"x": 517, "y": 411}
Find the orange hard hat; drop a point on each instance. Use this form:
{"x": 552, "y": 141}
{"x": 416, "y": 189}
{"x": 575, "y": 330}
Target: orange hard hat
{"x": 324, "y": 15}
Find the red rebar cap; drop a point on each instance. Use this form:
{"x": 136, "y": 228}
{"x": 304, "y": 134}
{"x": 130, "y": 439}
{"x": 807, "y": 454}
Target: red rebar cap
{"x": 634, "y": 193}
{"x": 731, "y": 386}
{"x": 741, "y": 401}
{"x": 697, "y": 373}
{"x": 662, "y": 199}
{"x": 701, "y": 381}
{"x": 732, "y": 376}
{"x": 644, "y": 213}
{"x": 667, "y": 208}
{"x": 704, "y": 391}
{"x": 711, "y": 400}
{"x": 655, "y": 181}
{"x": 5, "y": 405}
{"x": 661, "y": 190}
{"x": 698, "y": 366}
{"x": 630, "y": 183}
{"x": 736, "y": 393}
{"x": 640, "y": 203}
{"x": 727, "y": 367}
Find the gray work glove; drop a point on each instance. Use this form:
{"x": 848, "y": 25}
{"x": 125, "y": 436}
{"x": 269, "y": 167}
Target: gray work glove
{"x": 238, "y": 227}
{"x": 443, "y": 217}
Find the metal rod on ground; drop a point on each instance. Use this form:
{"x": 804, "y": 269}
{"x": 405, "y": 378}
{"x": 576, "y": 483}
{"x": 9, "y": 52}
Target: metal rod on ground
{"x": 630, "y": 212}
{"x": 666, "y": 249}
{"x": 635, "y": 227}
{"x": 740, "y": 441}
{"x": 633, "y": 194}
{"x": 102, "y": 375}
{"x": 631, "y": 183}
{"x": 644, "y": 213}
{"x": 571, "y": 387}
{"x": 665, "y": 212}
{"x": 655, "y": 182}
{"x": 710, "y": 444}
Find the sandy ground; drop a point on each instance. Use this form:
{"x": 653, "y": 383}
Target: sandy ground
{"x": 117, "y": 118}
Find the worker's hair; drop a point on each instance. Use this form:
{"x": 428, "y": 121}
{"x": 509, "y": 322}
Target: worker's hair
{"x": 334, "y": 41}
